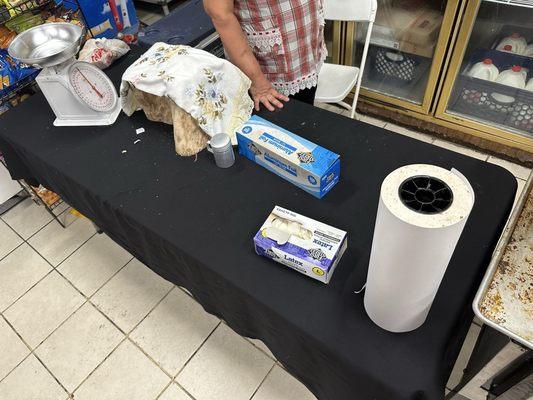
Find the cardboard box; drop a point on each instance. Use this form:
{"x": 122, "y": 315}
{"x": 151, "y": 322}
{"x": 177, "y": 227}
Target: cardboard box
{"x": 301, "y": 162}
{"x": 424, "y": 31}
{"x": 417, "y": 26}
{"x": 424, "y": 51}
{"x": 303, "y": 244}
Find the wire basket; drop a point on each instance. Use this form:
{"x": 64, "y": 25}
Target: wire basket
{"x": 491, "y": 101}
{"x": 396, "y": 68}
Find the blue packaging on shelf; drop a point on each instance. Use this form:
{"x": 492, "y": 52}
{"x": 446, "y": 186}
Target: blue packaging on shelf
{"x": 106, "y": 18}
{"x": 12, "y": 72}
{"x": 301, "y": 162}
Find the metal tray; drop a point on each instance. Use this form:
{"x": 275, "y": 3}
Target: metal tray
{"x": 490, "y": 275}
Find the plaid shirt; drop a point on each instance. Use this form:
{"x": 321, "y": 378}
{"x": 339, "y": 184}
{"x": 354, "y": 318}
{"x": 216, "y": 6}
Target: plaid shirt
{"x": 287, "y": 38}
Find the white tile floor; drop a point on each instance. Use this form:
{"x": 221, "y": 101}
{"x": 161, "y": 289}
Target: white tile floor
{"x": 79, "y": 316}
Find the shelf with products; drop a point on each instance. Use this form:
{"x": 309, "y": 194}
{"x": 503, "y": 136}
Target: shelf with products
{"x": 11, "y": 9}
{"x": 17, "y": 79}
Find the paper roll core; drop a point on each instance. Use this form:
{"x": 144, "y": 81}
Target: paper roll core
{"x": 425, "y": 194}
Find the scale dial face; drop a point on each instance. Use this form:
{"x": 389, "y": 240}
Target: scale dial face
{"x": 92, "y": 87}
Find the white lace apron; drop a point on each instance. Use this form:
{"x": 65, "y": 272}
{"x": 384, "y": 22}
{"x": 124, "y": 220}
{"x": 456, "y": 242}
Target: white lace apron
{"x": 287, "y": 38}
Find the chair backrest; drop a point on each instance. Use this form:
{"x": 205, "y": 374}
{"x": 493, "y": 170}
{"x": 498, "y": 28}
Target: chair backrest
{"x": 350, "y": 10}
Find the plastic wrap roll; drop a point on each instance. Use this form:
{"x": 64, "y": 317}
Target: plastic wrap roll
{"x": 421, "y": 214}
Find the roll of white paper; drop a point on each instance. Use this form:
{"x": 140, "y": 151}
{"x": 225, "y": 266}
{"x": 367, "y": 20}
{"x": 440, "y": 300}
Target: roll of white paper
{"x": 421, "y": 214}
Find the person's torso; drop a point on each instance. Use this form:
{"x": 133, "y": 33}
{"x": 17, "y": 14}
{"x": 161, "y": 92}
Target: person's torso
{"x": 287, "y": 38}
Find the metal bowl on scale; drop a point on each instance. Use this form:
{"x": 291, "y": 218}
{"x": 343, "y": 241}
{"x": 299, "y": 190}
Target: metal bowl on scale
{"x": 48, "y": 44}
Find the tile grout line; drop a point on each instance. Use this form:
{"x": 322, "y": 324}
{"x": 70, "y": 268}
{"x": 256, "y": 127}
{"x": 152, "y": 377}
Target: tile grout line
{"x": 45, "y": 259}
{"x": 87, "y": 300}
{"x": 23, "y": 342}
{"x": 53, "y": 269}
{"x": 68, "y": 256}
{"x": 246, "y": 338}
{"x": 13, "y": 229}
{"x": 32, "y": 352}
{"x": 38, "y": 229}
{"x": 29, "y": 355}
{"x": 174, "y": 379}
{"x": 196, "y": 351}
{"x": 42, "y": 227}
{"x": 16, "y": 247}
{"x": 182, "y": 388}
{"x": 27, "y": 239}
{"x": 51, "y": 374}
{"x": 249, "y": 341}
{"x": 164, "y": 389}
{"x": 23, "y": 294}
{"x": 124, "y": 339}
{"x": 89, "y": 297}
{"x": 262, "y": 381}
{"x": 34, "y": 249}
{"x": 11, "y": 251}
{"x": 435, "y": 138}
{"x": 261, "y": 350}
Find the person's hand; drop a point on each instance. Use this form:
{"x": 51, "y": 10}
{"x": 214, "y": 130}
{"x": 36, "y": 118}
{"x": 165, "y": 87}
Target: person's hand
{"x": 263, "y": 93}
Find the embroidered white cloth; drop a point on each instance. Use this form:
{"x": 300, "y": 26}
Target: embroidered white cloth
{"x": 212, "y": 90}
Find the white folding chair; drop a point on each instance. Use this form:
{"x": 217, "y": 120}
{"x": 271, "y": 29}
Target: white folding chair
{"x": 336, "y": 81}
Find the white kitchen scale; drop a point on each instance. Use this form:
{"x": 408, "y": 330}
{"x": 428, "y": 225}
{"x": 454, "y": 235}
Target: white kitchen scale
{"x": 79, "y": 93}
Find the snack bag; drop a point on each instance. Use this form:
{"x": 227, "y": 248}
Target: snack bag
{"x": 12, "y": 72}
{"x": 6, "y": 37}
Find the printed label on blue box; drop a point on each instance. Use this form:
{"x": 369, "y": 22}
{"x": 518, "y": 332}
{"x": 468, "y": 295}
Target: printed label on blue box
{"x": 303, "y": 163}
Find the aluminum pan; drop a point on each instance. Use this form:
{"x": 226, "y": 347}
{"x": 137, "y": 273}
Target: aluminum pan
{"x": 495, "y": 263}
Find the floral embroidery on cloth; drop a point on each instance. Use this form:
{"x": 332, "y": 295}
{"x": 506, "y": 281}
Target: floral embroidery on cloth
{"x": 212, "y": 90}
{"x": 210, "y": 97}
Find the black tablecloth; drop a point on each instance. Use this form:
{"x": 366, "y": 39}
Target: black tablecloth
{"x": 193, "y": 224}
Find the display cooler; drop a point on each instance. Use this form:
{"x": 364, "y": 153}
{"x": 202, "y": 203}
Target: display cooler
{"x": 407, "y": 51}
{"x": 502, "y": 109}
{"x": 420, "y": 61}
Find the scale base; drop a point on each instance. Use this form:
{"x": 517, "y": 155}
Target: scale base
{"x": 102, "y": 120}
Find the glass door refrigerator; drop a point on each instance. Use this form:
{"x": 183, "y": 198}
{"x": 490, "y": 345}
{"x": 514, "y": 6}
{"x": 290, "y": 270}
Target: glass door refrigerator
{"x": 407, "y": 51}
{"x": 488, "y": 87}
